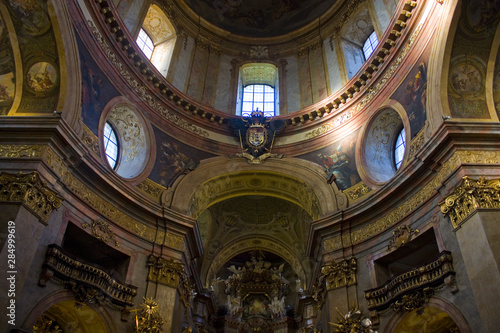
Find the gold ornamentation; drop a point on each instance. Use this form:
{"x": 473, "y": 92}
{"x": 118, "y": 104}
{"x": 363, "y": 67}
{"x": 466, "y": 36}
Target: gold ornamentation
{"x": 44, "y": 324}
{"x": 101, "y": 230}
{"x": 412, "y": 301}
{"x": 339, "y": 274}
{"x": 151, "y": 188}
{"x": 31, "y": 191}
{"x": 353, "y": 322}
{"x": 423, "y": 279}
{"x": 140, "y": 89}
{"x": 416, "y": 143}
{"x": 357, "y": 191}
{"x": 458, "y": 158}
{"x": 90, "y": 140}
{"x": 165, "y": 271}
{"x": 468, "y": 197}
{"x": 401, "y": 236}
{"x": 16, "y": 151}
{"x": 148, "y": 319}
{"x": 89, "y": 283}
{"x": 131, "y": 132}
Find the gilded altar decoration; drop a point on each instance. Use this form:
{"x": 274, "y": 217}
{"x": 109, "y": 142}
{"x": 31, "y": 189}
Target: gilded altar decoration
{"x": 30, "y": 190}
{"x": 406, "y": 290}
{"x": 339, "y": 274}
{"x": 259, "y": 133}
{"x": 353, "y": 322}
{"x": 89, "y": 283}
{"x": 44, "y": 324}
{"x": 148, "y": 319}
{"x": 468, "y": 197}
{"x": 101, "y": 230}
{"x": 401, "y": 236}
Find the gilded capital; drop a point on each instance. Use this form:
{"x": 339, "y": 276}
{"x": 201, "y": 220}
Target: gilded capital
{"x": 31, "y": 191}
{"x": 468, "y": 197}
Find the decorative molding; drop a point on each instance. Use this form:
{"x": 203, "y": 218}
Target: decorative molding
{"x": 30, "y": 190}
{"x": 468, "y": 197}
{"x": 458, "y": 158}
{"x": 148, "y": 319}
{"x": 416, "y": 143}
{"x": 357, "y": 191}
{"x": 89, "y": 283}
{"x": 405, "y": 291}
{"x": 101, "y": 230}
{"x": 141, "y": 90}
{"x": 401, "y": 236}
{"x": 346, "y": 16}
{"x": 105, "y": 208}
{"x": 151, "y": 188}
{"x": 171, "y": 273}
{"x": 90, "y": 140}
{"x": 339, "y": 274}
{"x": 259, "y": 53}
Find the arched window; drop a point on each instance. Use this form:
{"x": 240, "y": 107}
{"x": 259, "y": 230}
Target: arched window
{"x": 145, "y": 43}
{"x": 258, "y": 96}
{"x": 399, "y": 148}
{"x": 111, "y": 145}
{"x": 258, "y": 89}
{"x": 370, "y": 45}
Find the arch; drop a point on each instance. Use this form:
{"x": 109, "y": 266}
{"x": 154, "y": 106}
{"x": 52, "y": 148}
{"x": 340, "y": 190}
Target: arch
{"x": 209, "y": 271}
{"x": 434, "y": 302}
{"x": 89, "y": 316}
{"x": 297, "y": 177}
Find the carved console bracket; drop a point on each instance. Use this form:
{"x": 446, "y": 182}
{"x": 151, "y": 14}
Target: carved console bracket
{"x": 333, "y": 276}
{"x": 171, "y": 273}
{"x": 31, "y": 191}
{"x": 468, "y": 197}
{"x": 89, "y": 283}
{"x": 409, "y": 290}
{"x": 101, "y": 230}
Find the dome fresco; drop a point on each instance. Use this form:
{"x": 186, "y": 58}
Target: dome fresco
{"x": 260, "y": 18}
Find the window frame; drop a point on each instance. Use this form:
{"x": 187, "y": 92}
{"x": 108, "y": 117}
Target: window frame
{"x": 370, "y": 45}
{"x": 143, "y": 43}
{"x": 107, "y": 140}
{"x": 246, "y": 113}
{"x": 398, "y": 143}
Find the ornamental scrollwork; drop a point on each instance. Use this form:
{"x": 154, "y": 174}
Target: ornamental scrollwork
{"x": 412, "y": 301}
{"x": 340, "y": 274}
{"x": 353, "y": 322}
{"x": 468, "y": 197}
{"x": 401, "y": 236}
{"x": 31, "y": 191}
{"x": 101, "y": 230}
{"x": 165, "y": 271}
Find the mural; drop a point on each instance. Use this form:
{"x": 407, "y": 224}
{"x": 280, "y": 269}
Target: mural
{"x": 7, "y": 67}
{"x": 339, "y": 162}
{"x": 97, "y": 89}
{"x": 412, "y": 93}
{"x": 173, "y": 158}
{"x": 42, "y": 76}
{"x": 265, "y": 18}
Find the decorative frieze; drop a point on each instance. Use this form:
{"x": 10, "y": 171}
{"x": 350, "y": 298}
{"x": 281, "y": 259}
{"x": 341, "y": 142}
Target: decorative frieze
{"x": 357, "y": 191}
{"x": 468, "y": 197}
{"x": 89, "y": 283}
{"x": 31, "y": 191}
{"x": 151, "y": 188}
{"x": 101, "y": 230}
{"x": 406, "y": 291}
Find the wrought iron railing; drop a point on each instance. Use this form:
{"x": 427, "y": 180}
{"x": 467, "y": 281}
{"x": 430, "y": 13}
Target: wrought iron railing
{"x": 420, "y": 280}
{"x": 89, "y": 282}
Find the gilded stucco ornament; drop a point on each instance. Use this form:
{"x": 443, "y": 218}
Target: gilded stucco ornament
{"x": 357, "y": 191}
{"x": 30, "y": 190}
{"x": 471, "y": 195}
{"x": 148, "y": 319}
{"x": 151, "y": 188}
{"x": 101, "y": 230}
{"x": 401, "y": 236}
{"x": 412, "y": 301}
{"x": 353, "y": 322}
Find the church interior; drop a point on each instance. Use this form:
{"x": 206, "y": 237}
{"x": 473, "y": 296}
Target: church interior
{"x": 249, "y": 166}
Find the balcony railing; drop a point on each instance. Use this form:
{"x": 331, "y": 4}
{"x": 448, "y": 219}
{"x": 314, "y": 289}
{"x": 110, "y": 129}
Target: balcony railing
{"x": 89, "y": 282}
{"x": 419, "y": 280}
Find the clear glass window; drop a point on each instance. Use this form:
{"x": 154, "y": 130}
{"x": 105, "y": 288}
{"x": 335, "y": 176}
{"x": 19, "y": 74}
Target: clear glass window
{"x": 370, "y": 45}
{"x": 145, "y": 43}
{"x": 110, "y": 145}
{"x": 399, "y": 148}
{"x": 258, "y": 96}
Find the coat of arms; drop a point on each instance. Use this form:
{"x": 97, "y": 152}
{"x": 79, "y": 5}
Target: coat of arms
{"x": 258, "y": 133}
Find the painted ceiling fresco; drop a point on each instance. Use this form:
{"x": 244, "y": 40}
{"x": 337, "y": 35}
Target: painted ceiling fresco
{"x": 259, "y": 18}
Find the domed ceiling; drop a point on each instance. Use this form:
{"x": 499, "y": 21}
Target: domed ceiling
{"x": 259, "y": 18}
